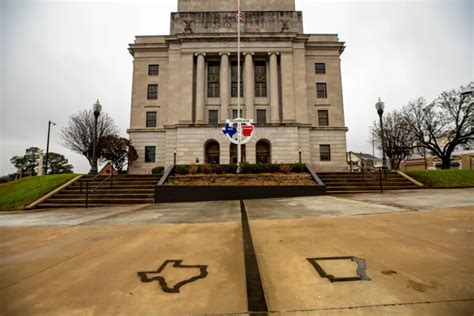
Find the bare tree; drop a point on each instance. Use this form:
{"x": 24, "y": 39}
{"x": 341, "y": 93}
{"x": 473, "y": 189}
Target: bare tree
{"x": 399, "y": 141}
{"x": 441, "y": 125}
{"x": 78, "y": 135}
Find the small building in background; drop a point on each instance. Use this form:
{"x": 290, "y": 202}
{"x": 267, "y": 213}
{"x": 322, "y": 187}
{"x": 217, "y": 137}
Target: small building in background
{"x": 108, "y": 169}
{"x": 460, "y": 160}
{"x": 359, "y": 161}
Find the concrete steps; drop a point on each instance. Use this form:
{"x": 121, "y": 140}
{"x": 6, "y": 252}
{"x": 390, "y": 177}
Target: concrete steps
{"x": 348, "y": 183}
{"x": 126, "y": 189}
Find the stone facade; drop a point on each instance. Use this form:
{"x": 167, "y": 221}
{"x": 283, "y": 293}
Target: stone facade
{"x": 184, "y": 87}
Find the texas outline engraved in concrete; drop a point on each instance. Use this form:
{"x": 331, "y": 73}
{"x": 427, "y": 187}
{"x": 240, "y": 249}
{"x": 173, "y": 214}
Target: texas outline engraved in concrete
{"x": 176, "y": 264}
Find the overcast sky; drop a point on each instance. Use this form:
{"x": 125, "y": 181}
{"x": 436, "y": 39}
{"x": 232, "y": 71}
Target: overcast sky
{"x": 58, "y": 57}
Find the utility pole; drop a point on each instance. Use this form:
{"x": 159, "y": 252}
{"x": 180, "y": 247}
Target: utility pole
{"x": 47, "y": 148}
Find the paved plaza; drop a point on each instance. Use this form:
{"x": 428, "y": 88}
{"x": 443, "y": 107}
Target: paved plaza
{"x": 192, "y": 258}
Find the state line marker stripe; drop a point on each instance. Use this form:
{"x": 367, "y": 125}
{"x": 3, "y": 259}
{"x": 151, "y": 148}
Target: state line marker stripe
{"x": 255, "y": 294}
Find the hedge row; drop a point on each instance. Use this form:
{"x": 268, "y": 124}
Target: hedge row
{"x": 246, "y": 168}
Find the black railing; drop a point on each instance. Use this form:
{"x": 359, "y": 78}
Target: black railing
{"x": 364, "y": 173}
{"x": 109, "y": 177}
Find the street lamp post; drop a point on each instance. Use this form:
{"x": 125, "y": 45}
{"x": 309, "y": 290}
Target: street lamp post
{"x": 299, "y": 153}
{"x": 97, "y": 108}
{"x": 379, "y": 106}
{"x": 174, "y": 157}
{"x": 47, "y": 147}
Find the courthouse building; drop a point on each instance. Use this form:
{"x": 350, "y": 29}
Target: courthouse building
{"x": 185, "y": 87}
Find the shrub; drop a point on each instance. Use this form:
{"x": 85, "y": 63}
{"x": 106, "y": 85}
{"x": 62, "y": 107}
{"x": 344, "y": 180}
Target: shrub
{"x": 181, "y": 169}
{"x": 157, "y": 170}
{"x": 285, "y": 168}
{"x": 193, "y": 169}
{"x": 298, "y": 167}
{"x": 219, "y": 169}
{"x": 274, "y": 168}
{"x": 246, "y": 168}
{"x": 232, "y": 168}
{"x": 207, "y": 169}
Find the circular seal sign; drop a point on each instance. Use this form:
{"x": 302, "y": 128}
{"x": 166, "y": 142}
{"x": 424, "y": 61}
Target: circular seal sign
{"x": 238, "y": 128}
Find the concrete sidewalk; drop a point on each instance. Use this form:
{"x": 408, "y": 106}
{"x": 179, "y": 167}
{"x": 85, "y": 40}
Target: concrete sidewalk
{"x": 85, "y": 262}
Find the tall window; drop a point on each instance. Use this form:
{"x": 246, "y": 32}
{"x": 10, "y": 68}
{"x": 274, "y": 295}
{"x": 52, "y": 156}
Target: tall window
{"x": 234, "y": 114}
{"x": 323, "y": 117}
{"x": 213, "y": 79}
{"x": 260, "y": 79}
{"x": 320, "y": 68}
{"x": 153, "y": 70}
{"x": 261, "y": 116}
{"x": 325, "y": 152}
{"x": 234, "y": 80}
{"x": 321, "y": 90}
{"x": 150, "y": 119}
{"x": 213, "y": 117}
{"x": 150, "y": 153}
{"x": 152, "y": 92}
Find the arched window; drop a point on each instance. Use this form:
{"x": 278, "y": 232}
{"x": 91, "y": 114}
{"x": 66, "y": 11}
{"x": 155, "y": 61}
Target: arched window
{"x": 233, "y": 153}
{"x": 263, "y": 151}
{"x": 212, "y": 152}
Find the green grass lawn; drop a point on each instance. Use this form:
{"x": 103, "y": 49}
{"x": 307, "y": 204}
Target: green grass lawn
{"x": 444, "y": 178}
{"x": 19, "y": 193}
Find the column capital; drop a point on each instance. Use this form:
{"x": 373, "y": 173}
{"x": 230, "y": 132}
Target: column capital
{"x": 224, "y": 53}
{"x": 273, "y": 53}
{"x": 248, "y": 53}
{"x": 200, "y": 54}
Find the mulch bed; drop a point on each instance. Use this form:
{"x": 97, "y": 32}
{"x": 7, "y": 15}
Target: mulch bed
{"x": 262, "y": 179}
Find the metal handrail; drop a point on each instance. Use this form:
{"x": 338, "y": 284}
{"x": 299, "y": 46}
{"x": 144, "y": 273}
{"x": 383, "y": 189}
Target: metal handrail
{"x": 111, "y": 177}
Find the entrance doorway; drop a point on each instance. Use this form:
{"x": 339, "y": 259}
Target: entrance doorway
{"x": 233, "y": 153}
{"x": 212, "y": 152}
{"x": 263, "y": 152}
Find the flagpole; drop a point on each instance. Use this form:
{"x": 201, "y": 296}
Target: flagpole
{"x": 239, "y": 125}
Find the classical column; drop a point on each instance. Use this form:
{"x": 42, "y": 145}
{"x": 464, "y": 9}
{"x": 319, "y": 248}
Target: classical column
{"x": 274, "y": 95}
{"x": 224, "y": 86}
{"x": 200, "y": 88}
{"x": 287, "y": 88}
{"x": 249, "y": 85}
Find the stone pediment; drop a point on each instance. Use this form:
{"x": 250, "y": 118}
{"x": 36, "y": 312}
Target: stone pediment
{"x": 225, "y": 22}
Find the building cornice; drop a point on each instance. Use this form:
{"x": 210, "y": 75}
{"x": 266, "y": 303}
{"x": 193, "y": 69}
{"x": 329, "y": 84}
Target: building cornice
{"x": 329, "y": 128}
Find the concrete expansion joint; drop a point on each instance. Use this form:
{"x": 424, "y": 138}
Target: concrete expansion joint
{"x": 377, "y": 305}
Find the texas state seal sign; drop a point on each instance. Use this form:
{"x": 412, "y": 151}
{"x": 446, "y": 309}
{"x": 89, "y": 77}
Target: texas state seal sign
{"x": 238, "y": 128}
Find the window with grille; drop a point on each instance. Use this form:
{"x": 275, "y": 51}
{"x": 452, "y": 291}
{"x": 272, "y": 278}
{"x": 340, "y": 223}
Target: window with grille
{"x": 213, "y": 78}
{"x": 320, "y": 68}
{"x": 150, "y": 153}
{"x": 321, "y": 90}
{"x": 153, "y": 70}
{"x": 150, "y": 119}
{"x": 325, "y": 152}
{"x": 213, "y": 117}
{"x": 260, "y": 79}
{"x": 323, "y": 117}
{"x": 152, "y": 92}
{"x": 261, "y": 116}
{"x": 234, "y": 114}
{"x": 234, "y": 81}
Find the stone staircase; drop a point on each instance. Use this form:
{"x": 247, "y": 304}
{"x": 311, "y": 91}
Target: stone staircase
{"x": 354, "y": 182}
{"x": 127, "y": 189}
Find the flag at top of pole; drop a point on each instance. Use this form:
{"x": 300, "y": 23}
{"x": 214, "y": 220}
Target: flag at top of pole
{"x": 240, "y": 16}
